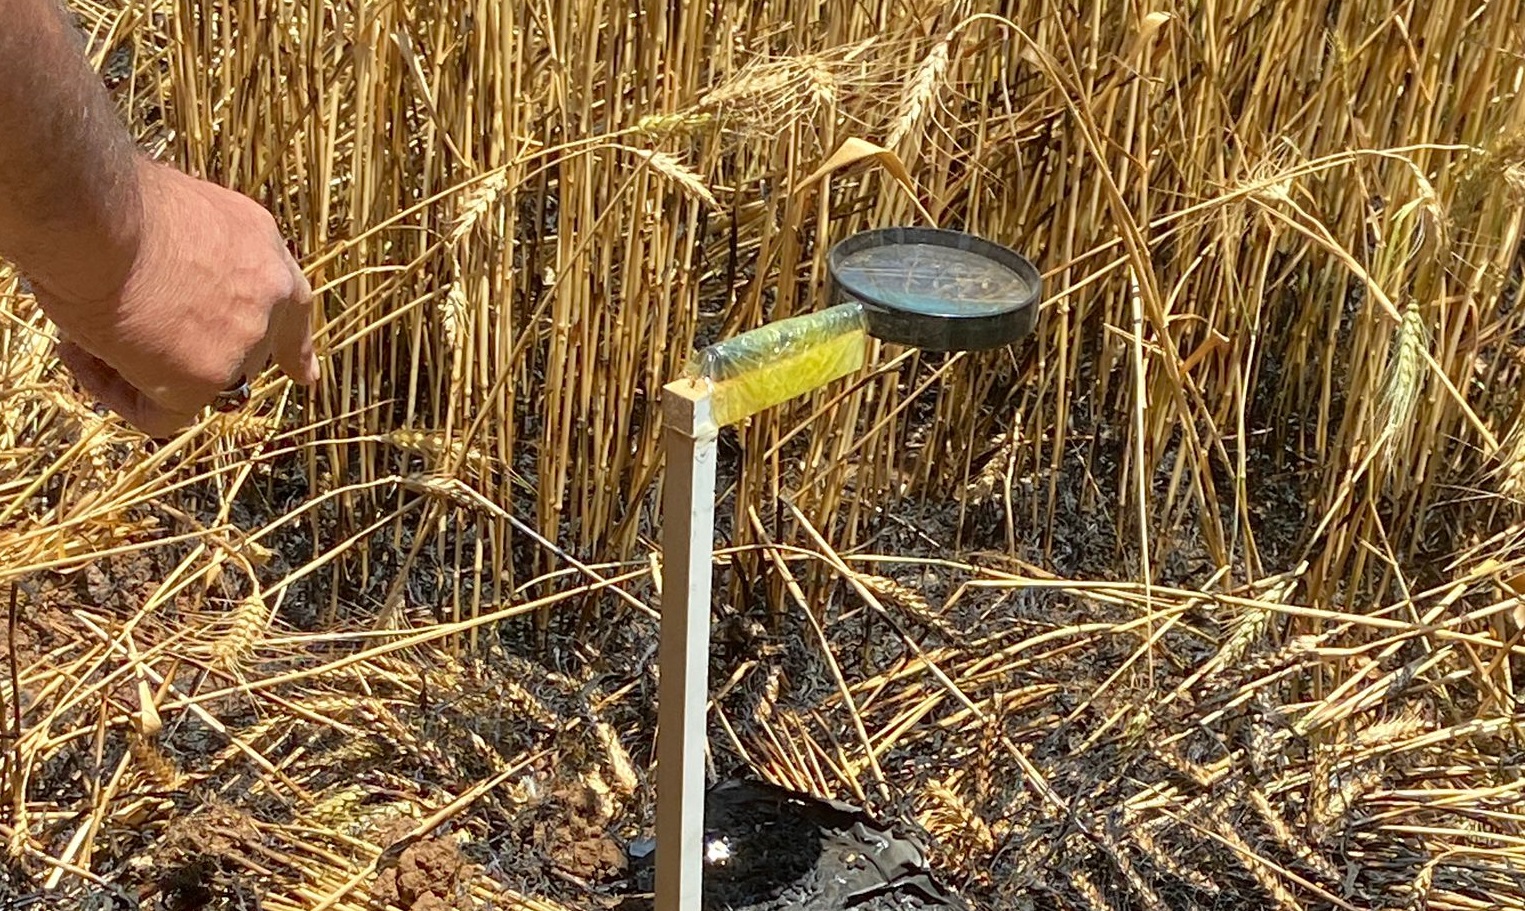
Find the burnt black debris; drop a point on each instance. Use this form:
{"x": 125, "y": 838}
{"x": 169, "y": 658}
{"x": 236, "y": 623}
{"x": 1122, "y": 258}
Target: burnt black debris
{"x": 769, "y": 848}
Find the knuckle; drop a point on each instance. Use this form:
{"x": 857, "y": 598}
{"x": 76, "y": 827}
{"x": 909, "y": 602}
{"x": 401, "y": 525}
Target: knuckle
{"x": 301, "y": 289}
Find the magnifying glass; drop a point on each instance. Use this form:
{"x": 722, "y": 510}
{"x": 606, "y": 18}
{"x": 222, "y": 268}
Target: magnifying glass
{"x": 928, "y": 288}
{"x": 936, "y": 289}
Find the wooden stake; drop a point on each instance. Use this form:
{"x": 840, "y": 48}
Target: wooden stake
{"x": 688, "y": 539}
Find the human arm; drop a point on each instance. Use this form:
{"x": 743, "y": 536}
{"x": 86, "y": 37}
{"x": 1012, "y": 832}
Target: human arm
{"x": 166, "y": 288}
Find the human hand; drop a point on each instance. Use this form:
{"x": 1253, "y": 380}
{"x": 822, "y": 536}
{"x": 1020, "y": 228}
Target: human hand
{"x": 209, "y": 297}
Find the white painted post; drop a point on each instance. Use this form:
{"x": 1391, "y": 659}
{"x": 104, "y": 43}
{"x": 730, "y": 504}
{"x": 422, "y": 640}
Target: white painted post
{"x": 688, "y": 542}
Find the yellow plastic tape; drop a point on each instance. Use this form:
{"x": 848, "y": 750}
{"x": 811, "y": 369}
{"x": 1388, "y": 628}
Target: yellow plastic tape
{"x": 774, "y": 363}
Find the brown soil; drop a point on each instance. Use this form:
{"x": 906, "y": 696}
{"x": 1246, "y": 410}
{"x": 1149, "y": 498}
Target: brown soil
{"x": 203, "y": 861}
{"x": 41, "y": 624}
{"x": 431, "y": 875}
{"x": 589, "y": 854}
{"x": 579, "y": 843}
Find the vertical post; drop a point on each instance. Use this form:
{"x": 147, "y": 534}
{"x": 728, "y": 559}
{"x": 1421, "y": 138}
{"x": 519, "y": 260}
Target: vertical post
{"x": 688, "y": 540}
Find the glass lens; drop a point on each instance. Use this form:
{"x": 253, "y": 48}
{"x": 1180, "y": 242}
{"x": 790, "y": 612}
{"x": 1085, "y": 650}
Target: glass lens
{"x": 934, "y": 280}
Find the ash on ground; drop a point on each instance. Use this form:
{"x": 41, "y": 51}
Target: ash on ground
{"x": 768, "y": 849}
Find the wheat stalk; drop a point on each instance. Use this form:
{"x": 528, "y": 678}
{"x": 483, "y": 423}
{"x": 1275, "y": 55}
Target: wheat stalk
{"x": 245, "y": 626}
{"x": 821, "y": 82}
{"x": 673, "y": 169}
{"x": 1404, "y": 377}
{"x": 993, "y": 471}
{"x": 455, "y": 316}
{"x": 1090, "y": 893}
{"x": 920, "y": 92}
{"x": 911, "y": 600}
{"x": 474, "y": 204}
{"x": 682, "y": 123}
{"x": 947, "y": 815}
{"x": 151, "y": 760}
{"x": 626, "y": 781}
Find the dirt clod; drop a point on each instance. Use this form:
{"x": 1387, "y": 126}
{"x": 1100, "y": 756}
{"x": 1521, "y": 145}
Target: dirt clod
{"x": 429, "y": 876}
{"x": 578, "y": 841}
{"x": 590, "y": 855}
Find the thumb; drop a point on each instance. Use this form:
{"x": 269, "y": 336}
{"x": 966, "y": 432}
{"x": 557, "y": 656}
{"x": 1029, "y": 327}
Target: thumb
{"x": 103, "y": 382}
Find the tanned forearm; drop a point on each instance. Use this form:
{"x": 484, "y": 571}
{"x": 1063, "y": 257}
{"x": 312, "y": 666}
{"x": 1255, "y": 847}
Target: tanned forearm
{"x": 70, "y": 207}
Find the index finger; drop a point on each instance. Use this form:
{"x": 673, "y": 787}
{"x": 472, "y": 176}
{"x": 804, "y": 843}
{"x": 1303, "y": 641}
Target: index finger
{"x": 292, "y": 334}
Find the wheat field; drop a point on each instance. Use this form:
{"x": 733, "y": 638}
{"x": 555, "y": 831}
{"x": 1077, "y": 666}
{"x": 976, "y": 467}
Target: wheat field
{"x": 1207, "y": 594}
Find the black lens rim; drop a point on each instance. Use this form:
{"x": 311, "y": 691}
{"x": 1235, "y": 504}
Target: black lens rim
{"x": 979, "y": 332}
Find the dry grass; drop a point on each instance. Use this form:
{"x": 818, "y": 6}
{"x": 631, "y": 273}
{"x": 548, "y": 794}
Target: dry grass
{"x": 1208, "y": 595}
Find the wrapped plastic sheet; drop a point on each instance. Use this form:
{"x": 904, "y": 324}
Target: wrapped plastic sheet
{"x": 771, "y": 849}
{"x": 776, "y": 362}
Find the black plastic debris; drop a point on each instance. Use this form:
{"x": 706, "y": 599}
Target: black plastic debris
{"x": 768, "y": 849}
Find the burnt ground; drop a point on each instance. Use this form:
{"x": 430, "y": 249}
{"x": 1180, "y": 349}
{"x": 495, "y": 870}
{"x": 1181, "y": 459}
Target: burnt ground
{"x": 569, "y": 707}
{"x": 212, "y": 832}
